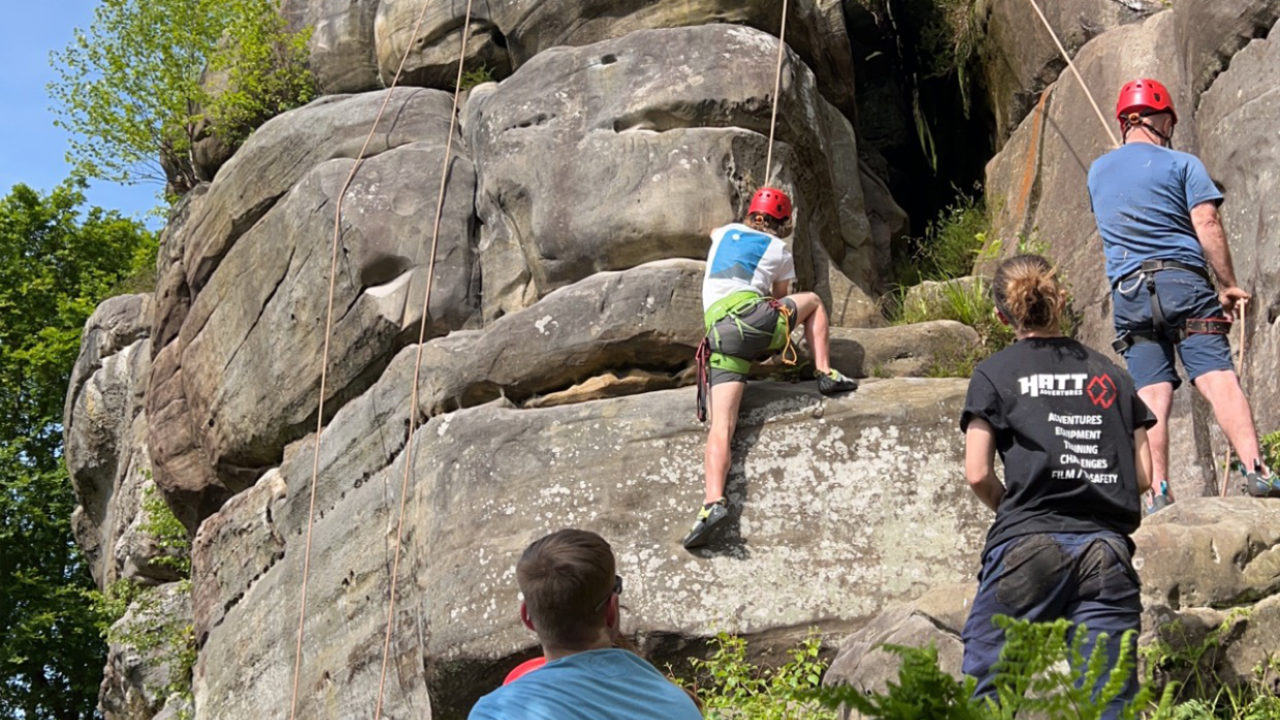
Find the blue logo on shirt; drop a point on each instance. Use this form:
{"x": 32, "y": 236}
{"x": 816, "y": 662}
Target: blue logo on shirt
{"x": 738, "y": 255}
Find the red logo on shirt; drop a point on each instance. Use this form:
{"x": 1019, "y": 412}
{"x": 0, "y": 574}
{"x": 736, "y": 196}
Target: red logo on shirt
{"x": 1102, "y": 391}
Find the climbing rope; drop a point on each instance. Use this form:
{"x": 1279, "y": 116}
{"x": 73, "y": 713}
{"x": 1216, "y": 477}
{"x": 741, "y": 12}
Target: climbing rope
{"x": 777, "y": 89}
{"x": 1241, "y": 314}
{"x": 417, "y": 365}
{"x": 324, "y": 357}
{"x": 1072, "y": 66}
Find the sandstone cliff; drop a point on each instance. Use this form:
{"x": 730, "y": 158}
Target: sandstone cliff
{"x": 561, "y": 328}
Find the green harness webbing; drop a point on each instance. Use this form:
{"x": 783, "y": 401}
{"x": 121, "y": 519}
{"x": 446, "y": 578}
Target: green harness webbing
{"x": 734, "y": 306}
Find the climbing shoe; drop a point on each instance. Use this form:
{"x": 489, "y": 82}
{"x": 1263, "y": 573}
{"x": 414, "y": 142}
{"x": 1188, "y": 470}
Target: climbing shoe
{"x": 835, "y": 382}
{"x": 1159, "y": 501}
{"x": 1258, "y": 485}
{"x": 708, "y": 517}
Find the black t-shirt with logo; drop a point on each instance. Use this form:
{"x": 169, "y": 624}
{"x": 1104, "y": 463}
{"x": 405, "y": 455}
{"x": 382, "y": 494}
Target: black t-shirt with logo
{"x": 1063, "y": 418}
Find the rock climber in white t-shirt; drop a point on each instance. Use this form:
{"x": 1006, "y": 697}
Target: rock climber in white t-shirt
{"x": 749, "y": 315}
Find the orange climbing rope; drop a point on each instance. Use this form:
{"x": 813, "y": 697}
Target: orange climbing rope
{"x": 777, "y": 89}
{"x": 417, "y": 365}
{"x": 324, "y": 358}
{"x": 1072, "y": 66}
{"x": 1241, "y": 315}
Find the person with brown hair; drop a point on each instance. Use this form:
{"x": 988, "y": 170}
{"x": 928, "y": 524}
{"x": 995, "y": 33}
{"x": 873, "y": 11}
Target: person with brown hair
{"x": 1071, "y": 432}
{"x": 749, "y": 312}
{"x": 571, "y": 591}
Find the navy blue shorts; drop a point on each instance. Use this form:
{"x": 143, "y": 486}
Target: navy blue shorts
{"x": 1183, "y": 295}
{"x": 1087, "y": 578}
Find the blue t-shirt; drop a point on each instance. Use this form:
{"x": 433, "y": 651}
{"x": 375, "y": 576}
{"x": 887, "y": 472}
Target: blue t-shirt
{"x": 609, "y": 684}
{"x": 1142, "y": 196}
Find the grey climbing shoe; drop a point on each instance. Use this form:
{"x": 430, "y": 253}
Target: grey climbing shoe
{"x": 1159, "y": 501}
{"x": 710, "y": 515}
{"x": 1258, "y": 485}
{"x": 835, "y": 382}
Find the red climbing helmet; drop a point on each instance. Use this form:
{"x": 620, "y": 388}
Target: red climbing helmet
{"x": 1143, "y": 96}
{"x": 524, "y": 668}
{"x": 771, "y": 202}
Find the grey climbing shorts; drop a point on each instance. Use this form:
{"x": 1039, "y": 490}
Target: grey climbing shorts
{"x": 748, "y": 346}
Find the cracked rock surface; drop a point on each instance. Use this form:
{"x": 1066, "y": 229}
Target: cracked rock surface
{"x": 554, "y": 381}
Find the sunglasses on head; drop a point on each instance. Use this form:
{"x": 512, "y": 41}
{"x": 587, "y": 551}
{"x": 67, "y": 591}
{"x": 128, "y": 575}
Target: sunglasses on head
{"x": 617, "y": 590}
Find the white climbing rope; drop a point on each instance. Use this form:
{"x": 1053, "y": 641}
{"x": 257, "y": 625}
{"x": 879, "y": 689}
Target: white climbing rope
{"x": 777, "y": 89}
{"x": 1072, "y": 66}
{"x": 417, "y": 365}
{"x": 324, "y": 358}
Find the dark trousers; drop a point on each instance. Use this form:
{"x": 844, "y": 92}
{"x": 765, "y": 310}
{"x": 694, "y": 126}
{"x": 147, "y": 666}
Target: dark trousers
{"x": 1087, "y": 578}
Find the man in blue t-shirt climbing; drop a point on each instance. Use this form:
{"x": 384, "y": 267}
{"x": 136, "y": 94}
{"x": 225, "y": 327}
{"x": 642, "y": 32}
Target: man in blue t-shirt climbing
{"x": 1157, "y": 212}
{"x": 571, "y": 601}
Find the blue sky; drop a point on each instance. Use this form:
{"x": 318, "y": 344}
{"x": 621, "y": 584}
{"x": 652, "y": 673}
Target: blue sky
{"x": 32, "y": 150}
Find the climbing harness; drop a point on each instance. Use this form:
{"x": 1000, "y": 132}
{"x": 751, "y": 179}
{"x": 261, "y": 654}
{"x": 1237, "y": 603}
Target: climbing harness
{"x": 702, "y": 360}
{"x": 1161, "y": 330}
{"x": 1072, "y": 66}
{"x": 732, "y": 309}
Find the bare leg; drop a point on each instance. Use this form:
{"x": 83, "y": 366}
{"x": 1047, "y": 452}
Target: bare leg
{"x": 1222, "y": 389}
{"x": 725, "y": 400}
{"x": 811, "y": 313}
{"x": 1159, "y": 399}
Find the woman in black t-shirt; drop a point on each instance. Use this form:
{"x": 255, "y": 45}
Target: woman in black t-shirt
{"x": 1071, "y": 433}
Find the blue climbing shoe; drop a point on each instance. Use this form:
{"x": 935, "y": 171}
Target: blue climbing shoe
{"x": 708, "y": 517}
{"x": 1258, "y": 485}
{"x": 1160, "y": 500}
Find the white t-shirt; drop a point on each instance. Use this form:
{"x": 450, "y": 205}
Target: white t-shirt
{"x": 743, "y": 258}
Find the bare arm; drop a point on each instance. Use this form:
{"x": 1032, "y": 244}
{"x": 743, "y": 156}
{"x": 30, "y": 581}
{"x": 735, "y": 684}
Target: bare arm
{"x": 979, "y": 462}
{"x": 1213, "y": 238}
{"x": 1142, "y": 459}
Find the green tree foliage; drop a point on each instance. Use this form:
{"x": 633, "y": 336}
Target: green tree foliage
{"x": 56, "y": 263}
{"x": 150, "y": 77}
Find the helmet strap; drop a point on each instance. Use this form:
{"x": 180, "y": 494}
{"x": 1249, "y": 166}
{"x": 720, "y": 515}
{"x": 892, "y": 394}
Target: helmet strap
{"x": 1135, "y": 120}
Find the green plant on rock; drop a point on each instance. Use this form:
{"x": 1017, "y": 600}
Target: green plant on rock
{"x": 964, "y": 301}
{"x": 167, "y": 532}
{"x": 1188, "y": 665}
{"x": 1042, "y": 673}
{"x": 475, "y": 76}
{"x": 164, "y": 641}
{"x": 951, "y": 243}
{"x": 935, "y": 39}
{"x": 923, "y": 690}
{"x": 148, "y": 78}
{"x": 111, "y": 604}
{"x": 731, "y": 686}
{"x": 1271, "y": 449}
